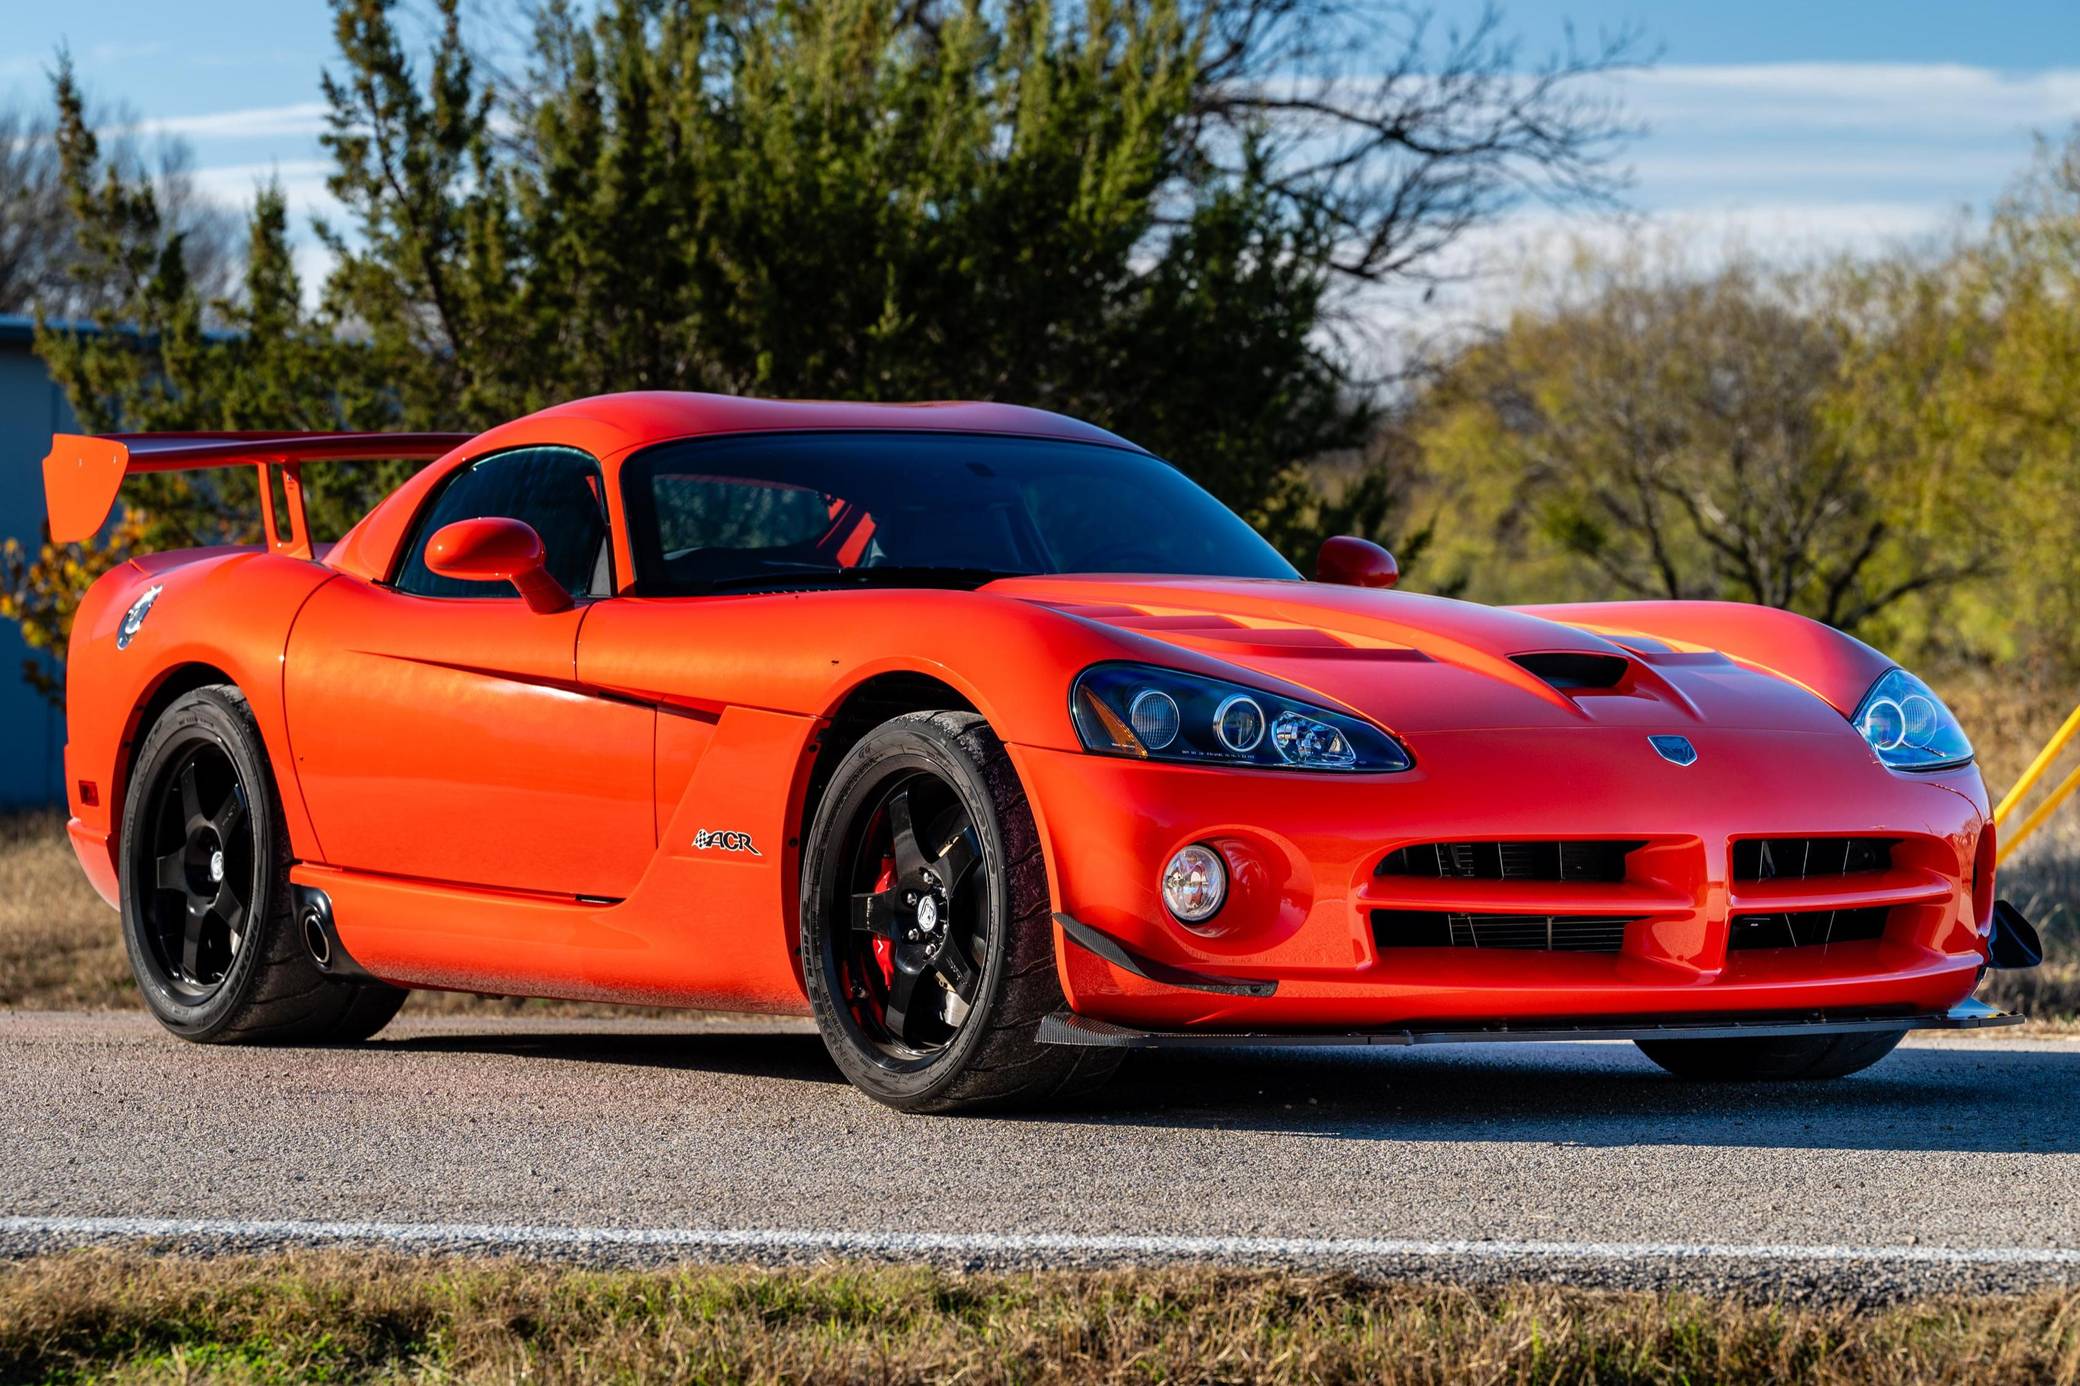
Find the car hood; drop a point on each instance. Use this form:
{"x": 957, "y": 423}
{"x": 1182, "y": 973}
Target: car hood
{"x": 1417, "y": 663}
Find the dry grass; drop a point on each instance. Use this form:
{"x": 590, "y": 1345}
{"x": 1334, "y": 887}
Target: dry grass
{"x": 354, "y": 1316}
{"x": 2043, "y": 880}
{"x": 60, "y": 946}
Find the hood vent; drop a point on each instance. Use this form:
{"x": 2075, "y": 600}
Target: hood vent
{"x": 1572, "y": 670}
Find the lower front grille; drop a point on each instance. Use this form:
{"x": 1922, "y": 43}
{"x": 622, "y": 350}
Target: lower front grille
{"x": 1807, "y": 929}
{"x": 1558, "y": 933}
{"x": 1802, "y": 858}
{"x": 1562, "y": 860}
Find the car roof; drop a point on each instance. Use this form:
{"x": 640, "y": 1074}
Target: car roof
{"x": 611, "y": 427}
{"x": 609, "y": 424}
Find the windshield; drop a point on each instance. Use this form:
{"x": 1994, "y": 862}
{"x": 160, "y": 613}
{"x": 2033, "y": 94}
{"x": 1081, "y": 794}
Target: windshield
{"x": 782, "y": 510}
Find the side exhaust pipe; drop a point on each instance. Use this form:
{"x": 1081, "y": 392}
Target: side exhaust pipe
{"x": 316, "y": 939}
{"x": 320, "y": 939}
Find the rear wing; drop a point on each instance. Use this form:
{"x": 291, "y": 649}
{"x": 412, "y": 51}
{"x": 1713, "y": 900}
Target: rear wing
{"x": 82, "y": 473}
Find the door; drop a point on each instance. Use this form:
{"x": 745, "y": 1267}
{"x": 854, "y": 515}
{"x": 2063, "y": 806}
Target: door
{"x": 438, "y": 726}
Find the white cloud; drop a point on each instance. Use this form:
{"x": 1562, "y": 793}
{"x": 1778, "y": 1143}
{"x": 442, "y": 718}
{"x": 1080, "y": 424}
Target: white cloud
{"x": 1779, "y": 164}
{"x": 1498, "y": 268}
{"x": 302, "y": 182}
{"x": 1947, "y": 100}
{"x": 303, "y": 119}
{"x": 313, "y": 264}
{"x": 108, "y": 53}
{"x": 1782, "y": 232}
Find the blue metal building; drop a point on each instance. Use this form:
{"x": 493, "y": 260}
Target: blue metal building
{"x": 32, "y": 407}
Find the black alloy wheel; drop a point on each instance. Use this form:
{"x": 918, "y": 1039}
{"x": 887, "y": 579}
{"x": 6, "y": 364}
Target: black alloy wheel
{"x": 197, "y": 853}
{"x": 927, "y": 943}
{"x": 912, "y": 961}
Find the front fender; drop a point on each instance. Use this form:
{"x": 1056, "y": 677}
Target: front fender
{"x": 803, "y": 653}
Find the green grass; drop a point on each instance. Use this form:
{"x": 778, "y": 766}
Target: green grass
{"x": 353, "y": 1316}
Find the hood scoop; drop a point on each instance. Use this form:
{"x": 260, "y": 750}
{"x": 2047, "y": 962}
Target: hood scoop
{"x": 1574, "y": 671}
{"x": 1218, "y": 634}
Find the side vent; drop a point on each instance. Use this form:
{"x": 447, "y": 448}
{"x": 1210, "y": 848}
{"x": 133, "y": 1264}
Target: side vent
{"x": 1572, "y": 670}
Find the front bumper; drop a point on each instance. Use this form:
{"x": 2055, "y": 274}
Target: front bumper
{"x": 1304, "y": 851}
{"x": 1083, "y": 1032}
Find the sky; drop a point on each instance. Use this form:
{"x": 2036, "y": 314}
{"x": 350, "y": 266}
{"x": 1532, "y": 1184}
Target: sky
{"x": 1782, "y": 127}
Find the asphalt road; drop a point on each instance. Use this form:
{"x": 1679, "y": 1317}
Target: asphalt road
{"x": 1956, "y": 1163}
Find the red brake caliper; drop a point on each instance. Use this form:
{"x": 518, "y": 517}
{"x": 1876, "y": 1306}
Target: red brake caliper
{"x": 884, "y": 951}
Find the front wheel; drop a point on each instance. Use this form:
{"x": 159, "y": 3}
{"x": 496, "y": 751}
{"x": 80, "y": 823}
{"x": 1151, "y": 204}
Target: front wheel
{"x": 1771, "y": 1059}
{"x": 926, "y": 941}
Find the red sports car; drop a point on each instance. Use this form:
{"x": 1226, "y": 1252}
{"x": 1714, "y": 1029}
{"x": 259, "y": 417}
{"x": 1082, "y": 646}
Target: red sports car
{"x": 995, "y": 744}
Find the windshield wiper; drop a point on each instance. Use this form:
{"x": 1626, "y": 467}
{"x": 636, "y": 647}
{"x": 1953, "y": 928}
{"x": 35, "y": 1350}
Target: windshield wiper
{"x": 884, "y": 575}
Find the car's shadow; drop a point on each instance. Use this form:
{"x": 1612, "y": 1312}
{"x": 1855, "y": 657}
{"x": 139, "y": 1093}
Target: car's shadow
{"x": 1976, "y": 1098}
{"x": 1961, "y": 1099}
{"x": 778, "y": 1054}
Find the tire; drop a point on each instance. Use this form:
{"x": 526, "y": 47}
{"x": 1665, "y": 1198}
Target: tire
{"x": 935, "y": 1008}
{"x": 1771, "y": 1059}
{"x": 209, "y": 920}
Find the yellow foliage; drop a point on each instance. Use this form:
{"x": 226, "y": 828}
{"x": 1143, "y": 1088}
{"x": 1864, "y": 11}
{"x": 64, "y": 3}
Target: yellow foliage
{"x": 41, "y": 594}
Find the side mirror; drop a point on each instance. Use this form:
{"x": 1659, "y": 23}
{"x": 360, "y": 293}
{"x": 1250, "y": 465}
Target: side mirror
{"x": 1353, "y": 562}
{"x": 498, "y": 549}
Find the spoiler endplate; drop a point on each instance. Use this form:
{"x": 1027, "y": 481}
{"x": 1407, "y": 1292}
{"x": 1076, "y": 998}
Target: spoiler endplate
{"x": 83, "y": 473}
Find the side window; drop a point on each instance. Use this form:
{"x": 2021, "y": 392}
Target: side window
{"x": 556, "y": 490}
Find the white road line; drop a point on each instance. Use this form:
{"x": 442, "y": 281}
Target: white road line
{"x": 986, "y": 1244}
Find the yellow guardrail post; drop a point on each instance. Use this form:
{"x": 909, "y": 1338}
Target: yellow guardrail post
{"x": 2063, "y": 791}
{"x": 2037, "y": 815}
{"x": 2037, "y": 767}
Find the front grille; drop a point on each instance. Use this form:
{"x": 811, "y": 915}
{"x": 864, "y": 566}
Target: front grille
{"x": 1798, "y": 858}
{"x": 1560, "y": 933}
{"x": 1510, "y": 861}
{"x": 1807, "y": 928}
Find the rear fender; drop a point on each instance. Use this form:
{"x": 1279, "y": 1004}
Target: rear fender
{"x": 220, "y": 616}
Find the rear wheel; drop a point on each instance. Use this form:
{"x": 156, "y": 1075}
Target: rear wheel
{"x": 926, "y": 940}
{"x": 1766, "y": 1059}
{"x": 208, "y": 917}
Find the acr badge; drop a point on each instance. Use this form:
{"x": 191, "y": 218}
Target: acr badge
{"x": 706, "y": 841}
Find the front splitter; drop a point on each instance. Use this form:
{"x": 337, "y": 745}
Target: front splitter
{"x": 1066, "y": 1028}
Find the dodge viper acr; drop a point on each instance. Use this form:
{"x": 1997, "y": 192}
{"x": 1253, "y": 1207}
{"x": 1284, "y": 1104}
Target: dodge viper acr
{"x": 995, "y": 744}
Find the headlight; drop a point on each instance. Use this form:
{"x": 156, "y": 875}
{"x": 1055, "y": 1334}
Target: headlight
{"x": 1908, "y": 726}
{"x": 1165, "y": 714}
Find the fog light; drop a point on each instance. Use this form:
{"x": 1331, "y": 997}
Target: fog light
{"x": 1195, "y": 883}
